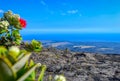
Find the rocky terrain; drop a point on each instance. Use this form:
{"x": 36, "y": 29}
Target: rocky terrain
{"x": 76, "y": 66}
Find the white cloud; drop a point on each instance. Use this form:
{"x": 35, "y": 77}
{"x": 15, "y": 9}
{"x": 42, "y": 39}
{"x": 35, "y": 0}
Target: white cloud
{"x": 43, "y": 3}
{"x": 72, "y": 11}
{"x": 1, "y": 11}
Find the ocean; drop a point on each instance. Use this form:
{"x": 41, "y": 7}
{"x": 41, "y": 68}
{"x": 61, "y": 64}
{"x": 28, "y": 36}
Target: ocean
{"x": 94, "y": 37}
{"x": 93, "y": 43}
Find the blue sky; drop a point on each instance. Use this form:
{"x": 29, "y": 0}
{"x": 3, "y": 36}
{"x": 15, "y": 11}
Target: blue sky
{"x": 66, "y": 16}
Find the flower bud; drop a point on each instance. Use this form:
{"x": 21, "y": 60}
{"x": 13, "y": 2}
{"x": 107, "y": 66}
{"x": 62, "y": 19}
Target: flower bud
{"x": 60, "y": 78}
{"x": 4, "y": 24}
{"x": 17, "y": 16}
{"x": 14, "y": 51}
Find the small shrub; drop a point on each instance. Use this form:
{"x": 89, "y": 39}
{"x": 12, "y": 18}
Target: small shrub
{"x": 15, "y": 64}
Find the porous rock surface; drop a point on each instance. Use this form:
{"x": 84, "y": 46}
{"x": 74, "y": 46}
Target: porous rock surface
{"x": 76, "y": 66}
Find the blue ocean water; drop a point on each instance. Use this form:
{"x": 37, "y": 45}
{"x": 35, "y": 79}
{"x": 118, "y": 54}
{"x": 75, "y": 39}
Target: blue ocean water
{"x": 101, "y": 43}
{"x": 94, "y": 37}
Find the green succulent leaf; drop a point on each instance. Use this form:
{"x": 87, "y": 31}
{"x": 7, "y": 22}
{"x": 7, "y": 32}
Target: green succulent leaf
{"x": 20, "y": 56}
{"x": 32, "y": 75}
{"x": 24, "y": 77}
{"x": 8, "y": 35}
{"x": 17, "y": 66}
{"x": 36, "y": 45}
{"x": 16, "y": 36}
{"x": 6, "y": 72}
{"x": 41, "y": 76}
{"x": 2, "y": 31}
{"x": 11, "y": 59}
{"x": 3, "y": 51}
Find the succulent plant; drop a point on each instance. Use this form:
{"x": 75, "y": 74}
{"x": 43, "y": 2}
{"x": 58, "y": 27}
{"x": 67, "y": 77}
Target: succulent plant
{"x": 18, "y": 68}
{"x": 10, "y": 24}
{"x": 35, "y": 46}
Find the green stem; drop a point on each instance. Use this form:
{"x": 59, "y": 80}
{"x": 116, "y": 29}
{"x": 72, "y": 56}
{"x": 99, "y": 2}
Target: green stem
{"x": 11, "y": 28}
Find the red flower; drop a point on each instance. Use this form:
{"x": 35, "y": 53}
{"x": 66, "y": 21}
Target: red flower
{"x": 22, "y": 23}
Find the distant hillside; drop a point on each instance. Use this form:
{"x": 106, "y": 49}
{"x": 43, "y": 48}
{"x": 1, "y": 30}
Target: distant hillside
{"x": 91, "y": 47}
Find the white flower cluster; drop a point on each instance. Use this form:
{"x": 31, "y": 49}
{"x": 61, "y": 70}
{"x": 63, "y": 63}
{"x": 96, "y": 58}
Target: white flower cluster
{"x": 4, "y": 24}
{"x": 13, "y": 19}
{"x": 17, "y": 16}
{"x": 10, "y": 15}
{"x": 60, "y": 78}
